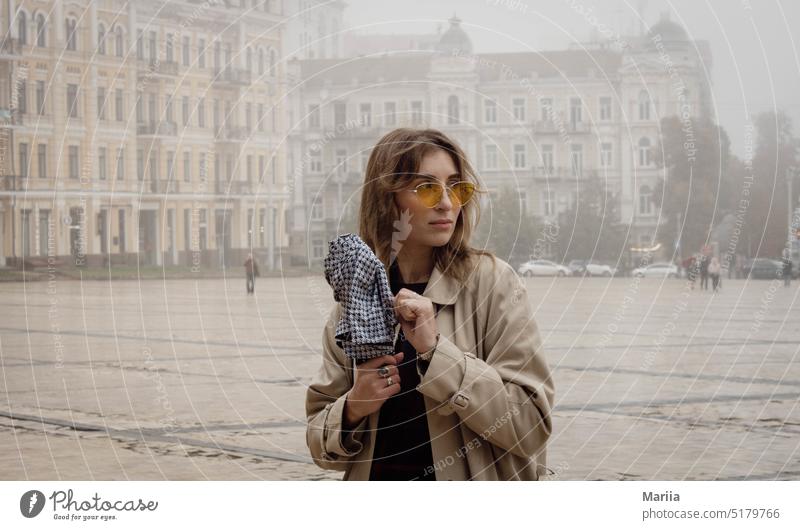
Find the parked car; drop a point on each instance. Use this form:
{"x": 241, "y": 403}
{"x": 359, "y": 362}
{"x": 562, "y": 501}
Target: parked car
{"x": 657, "y": 270}
{"x": 577, "y": 267}
{"x": 542, "y": 267}
{"x": 762, "y": 268}
{"x": 600, "y": 269}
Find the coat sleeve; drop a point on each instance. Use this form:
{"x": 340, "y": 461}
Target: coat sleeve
{"x": 507, "y": 398}
{"x": 331, "y": 447}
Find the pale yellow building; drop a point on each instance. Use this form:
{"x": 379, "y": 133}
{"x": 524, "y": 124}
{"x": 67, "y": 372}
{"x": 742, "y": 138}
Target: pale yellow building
{"x": 142, "y": 132}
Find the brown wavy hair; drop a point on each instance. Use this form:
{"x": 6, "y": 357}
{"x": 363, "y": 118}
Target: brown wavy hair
{"x": 390, "y": 168}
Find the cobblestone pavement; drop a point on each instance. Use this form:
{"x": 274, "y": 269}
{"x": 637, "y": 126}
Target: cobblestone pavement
{"x": 192, "y": 379}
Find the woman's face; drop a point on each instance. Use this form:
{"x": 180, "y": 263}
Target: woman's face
{"x": 431, "y": 227}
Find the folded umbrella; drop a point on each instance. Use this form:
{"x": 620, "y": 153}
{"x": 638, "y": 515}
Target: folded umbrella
{"x": 358, "y": 278}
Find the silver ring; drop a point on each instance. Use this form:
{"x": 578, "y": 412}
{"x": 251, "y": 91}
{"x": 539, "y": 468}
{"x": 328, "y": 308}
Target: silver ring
{"x": 389, "y": 381}
{"x": 383, "y": 371}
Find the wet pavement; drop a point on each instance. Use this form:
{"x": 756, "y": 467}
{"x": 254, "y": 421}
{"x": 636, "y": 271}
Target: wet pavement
{"x": 189, "y": 379}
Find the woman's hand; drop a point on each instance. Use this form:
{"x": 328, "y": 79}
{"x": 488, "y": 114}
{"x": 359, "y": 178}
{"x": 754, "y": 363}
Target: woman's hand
{"x": 370, "y": 389}
{"x": 417, "y": 319}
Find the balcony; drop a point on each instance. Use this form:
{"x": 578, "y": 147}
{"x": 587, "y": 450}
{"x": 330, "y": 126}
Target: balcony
{"x": 232, "y": 187}
{"x": 232, "y": 77}
{"x": 579, "y": 127}
{"x": 547, "y": 127}
{"x": 157, "y": 128}
{"x": 159, "y": 68}
{"x": 164, "y": 186}
{"x": 13, "y": 183}
{"x": 231, "y": 134}
{"x": 561, "y": 173}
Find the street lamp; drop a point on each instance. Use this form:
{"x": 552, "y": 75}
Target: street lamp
{"x": 791, "y": 172}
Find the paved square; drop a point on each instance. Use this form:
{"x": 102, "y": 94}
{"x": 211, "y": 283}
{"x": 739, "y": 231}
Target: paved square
{"x": 188, "y": 379}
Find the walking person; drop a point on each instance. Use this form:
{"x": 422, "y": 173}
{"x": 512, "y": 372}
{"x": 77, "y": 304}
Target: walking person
{"x": 467, "y": 393}
{"x": 704, "y": 262}
{"x": 251, "y": 271}
{"x": 714, "y": 270}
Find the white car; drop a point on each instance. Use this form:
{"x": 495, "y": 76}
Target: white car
{"x": 542, "y": 267}
{"x": 657, "y": 270}
{"x": 598, "y": 269}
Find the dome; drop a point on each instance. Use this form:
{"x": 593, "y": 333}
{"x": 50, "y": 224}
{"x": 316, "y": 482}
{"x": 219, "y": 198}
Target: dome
{"x": 455, "y": 40}
{"x": 668, "y": 30}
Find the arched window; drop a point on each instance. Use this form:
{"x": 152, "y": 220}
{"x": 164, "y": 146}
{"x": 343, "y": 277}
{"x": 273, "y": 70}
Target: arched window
{"x": 249, "y": 60}
{"x": 71, "y": 27}
{"x": 22, "y": 27}
{"x": 645, "y": 200}
{"x": 119, "y": 44}
{"x": 41, "y": 31}
{"x": 273, "y": 62}
{"x": 644, "y": 152}
{"x": 644, "y": 105}
{"x": 260, "y": 62}
{"x": 452, "y": 109}
{"x": 101, "y": 39}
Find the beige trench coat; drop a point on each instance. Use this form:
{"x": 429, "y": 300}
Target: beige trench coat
{"x": 487, "y": 391}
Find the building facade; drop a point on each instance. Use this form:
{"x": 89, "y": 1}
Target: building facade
{"x": 142, "y": 132}
{"x": 543, "y": 123}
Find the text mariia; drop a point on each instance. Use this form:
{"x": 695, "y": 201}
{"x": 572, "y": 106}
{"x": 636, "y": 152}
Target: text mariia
{"x": 665, "y": 496}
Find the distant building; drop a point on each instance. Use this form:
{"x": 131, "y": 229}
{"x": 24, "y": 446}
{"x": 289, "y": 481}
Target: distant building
{"x": 313, "y": 29}
{"x": 542, "y": 123}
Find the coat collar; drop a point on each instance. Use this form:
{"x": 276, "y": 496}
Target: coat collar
{"x": 442, "y": 289}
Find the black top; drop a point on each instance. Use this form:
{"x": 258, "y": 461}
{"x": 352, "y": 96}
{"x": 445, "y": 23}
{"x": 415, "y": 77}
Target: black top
{"x": 402, "y": 442}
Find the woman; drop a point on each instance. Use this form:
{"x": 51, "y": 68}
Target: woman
{"x": 468, "y": 393}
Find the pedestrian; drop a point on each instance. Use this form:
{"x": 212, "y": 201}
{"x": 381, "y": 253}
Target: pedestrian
{"x": 704, "y": 262}
{"x": 251, "y": 271}
{"x": 467, "y": 394}
{"x": 714, "y": 271}
{"x": 787, "y": 269}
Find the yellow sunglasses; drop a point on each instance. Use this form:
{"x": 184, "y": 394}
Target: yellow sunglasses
{"x": 430, "y": 193}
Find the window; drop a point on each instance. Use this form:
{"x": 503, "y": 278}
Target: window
{"x": 201, "y": 112}
{"x": 416, "y": 112}
{"x": 644, "y": 105}
{"x": 452, "y": 110}
{"x": 390, "y": 113}
{"x": 576, "y": 159}
{"x": 548, "y": 198}
{"x": 365, "y": 114}
{"x": 261, "y": 62}
{"x": 185, "y": 49}
{"x": 316, "y": 211}
{"x": 339, "y": 113}
{"x": 22, "y": 27}
{"x": 119, "y": 45}
{"x": 313, "y": 116}
{"x": 101, "y": 103}
{"x": 139, "y": 108}
{"x": 187, "y": 166}
{"x": 315, "y": 161}
{"x": 489, "y": 111}
{"x": 101, "y": 39}
{"x": 73, "y": 161}
{"x": 140, "y": 164}
{"x": 121, "y": 218}
{"x": 71, "y": 26}
{"x": 202, "y": 231}
{"x": 490, "y": 156}
{"x": 201, "y": 53}
{"x": 260, "y": 124}
{"x": 120, "y": 163}
{"x": 518, "y": 108}
{"x": 170, "y": 48}
{"x": 575, "y": 111}
{"x": 249, "y": 168}
{"x": 605, "y": 109}
{"x": 101, "y": 163}
{"x": 215, "y": 114}
{"x": 547, "y": 156}
{"x": 185, "y": 110}
{"x": 341, "y": 161}
{"x": 41, "y": 31}
{"x": 40, "y": 97}
{"x": 22, "y": 96}
{"x": 644, "y": 152}
{"x": 170, "y": 165}
{"x": 72, "y": 100}
{"x": 152, "y": 51}
{"x": 23, "y": 160}
{"x": 119, "y": 105}
{"x": 546, "y": 109}
{"x": 139, "y": 45}
{"x": 248, "y": 116}
{"x": 42, "y": 160}
{"x": 44, "y": 232}
{"x": 261, "y": 168}
{"x": 645, "y": 200}
{"x": 605, "y": 154}
{"x": 153, "y": 166}
{"x": 519, "y": 155}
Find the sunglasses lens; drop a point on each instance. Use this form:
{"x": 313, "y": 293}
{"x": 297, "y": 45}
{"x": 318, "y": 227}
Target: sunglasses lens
{"x": 430, "y": 194}
{"x": 462, "y": 192}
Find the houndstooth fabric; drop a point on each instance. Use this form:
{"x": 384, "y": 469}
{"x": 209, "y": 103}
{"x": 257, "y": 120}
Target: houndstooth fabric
{"x": 359, "y": 282}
